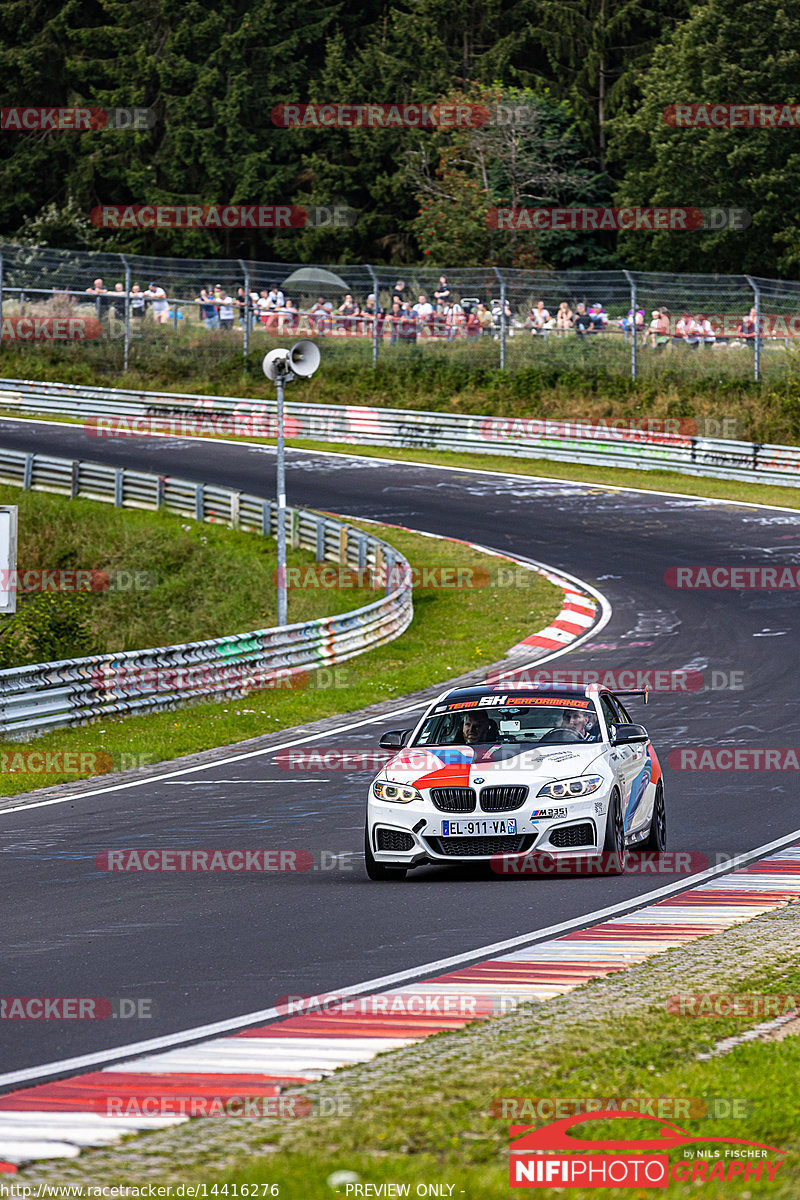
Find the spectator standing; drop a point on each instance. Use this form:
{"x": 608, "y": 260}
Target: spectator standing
{"x": 398, "y": 293}
{"x": 208, "y": 310}
{"x": 407, "y": 325}
{"x": 395, "y": 316}
{"x": 320, "y": 314}
{"x": 118, "y": 304}
{"x": 442, "y": 295}
{"x": 423, "y": 311}
{"x": 226, "y": 305}
{"x": 160, "y": 304}
{"x": 498, "y": 312}
{"x": 453, "y": 320}
{"x": 349, "y": 310}
{"x": 99, "y": 290}
{"x": 370, "y": 314}
{"x": 138, "y": 302}
{"x": 748, "y": 327}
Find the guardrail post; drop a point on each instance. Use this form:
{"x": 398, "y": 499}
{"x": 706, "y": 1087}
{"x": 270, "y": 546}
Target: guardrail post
{"x": 343, "y": 546}
{"x": 160, "y": 490}
{"x": 199, "y": 496}
{"x": 362, "y": 553}
{"x": 118, "y": 482}
{"x": 1, "y": 287}
{"x": 757, "y": 346}
{"x": 27, "y": 473}
{"x": 390, "y": 561}
{"x": 376, "y": 306}
{"x": 320, "y": 552}
{"x": 73, "y": 484}
{"x": 235, "y": 498}
{"x": 632, "y": 283}
{"x": 502, "y": 319}
{"x": 266, "y": 519}
{"x": 294, "y": 528}
{"x": 127, "y": 346}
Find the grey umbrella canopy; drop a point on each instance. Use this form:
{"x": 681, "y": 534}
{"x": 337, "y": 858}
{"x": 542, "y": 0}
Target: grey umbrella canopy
{"x": 314, "y": 278}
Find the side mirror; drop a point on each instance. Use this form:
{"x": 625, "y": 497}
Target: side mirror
{"x": 626, "y": 735}
{"x": 395, "y": 739}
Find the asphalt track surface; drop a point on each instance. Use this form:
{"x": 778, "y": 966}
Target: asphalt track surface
{"x": 207, "y": 947}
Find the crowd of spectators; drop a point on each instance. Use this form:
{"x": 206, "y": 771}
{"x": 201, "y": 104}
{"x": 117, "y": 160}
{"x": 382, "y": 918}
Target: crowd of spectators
{"x": 443, "y": 314}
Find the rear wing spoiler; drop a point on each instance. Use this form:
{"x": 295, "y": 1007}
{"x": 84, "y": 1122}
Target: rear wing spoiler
{"x": 634, "y": 692}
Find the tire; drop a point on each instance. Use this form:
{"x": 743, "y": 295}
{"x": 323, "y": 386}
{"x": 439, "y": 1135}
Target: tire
{"x": 614, "y": 842}
{"x": 657, "y": 836}
{"x": 377, "y": 871}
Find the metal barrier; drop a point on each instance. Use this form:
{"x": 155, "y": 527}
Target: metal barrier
{"x": 654, "y": 446}
{"x": 76, "y": 691}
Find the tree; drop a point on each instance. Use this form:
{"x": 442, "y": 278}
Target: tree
{"x": 526, "y": 154}
{"x": 724, "y": 53}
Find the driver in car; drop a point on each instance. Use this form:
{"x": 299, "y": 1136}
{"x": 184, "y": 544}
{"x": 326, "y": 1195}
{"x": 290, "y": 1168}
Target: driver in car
{"x": 477, "y": 727}
{"x": 577, "y": 721}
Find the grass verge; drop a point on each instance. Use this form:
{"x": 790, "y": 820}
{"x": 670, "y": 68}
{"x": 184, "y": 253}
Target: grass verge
{"x": 451, "y": 633}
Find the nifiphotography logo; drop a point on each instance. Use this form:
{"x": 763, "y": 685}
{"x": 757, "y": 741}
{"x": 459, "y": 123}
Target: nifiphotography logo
{"x": 537, "y": 1157}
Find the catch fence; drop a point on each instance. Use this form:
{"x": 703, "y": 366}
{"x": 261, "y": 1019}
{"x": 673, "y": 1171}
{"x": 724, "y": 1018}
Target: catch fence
{"x": 631, "y": 322}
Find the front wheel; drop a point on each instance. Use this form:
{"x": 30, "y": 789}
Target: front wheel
{"x": 376, "y": 870}
{"x": 657, "y": 837}
{"x": 614, "y": 843}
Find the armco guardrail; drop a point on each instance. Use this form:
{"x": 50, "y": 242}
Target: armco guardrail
{"x": 75, "y": 691}
{"x": 644, "y": 449}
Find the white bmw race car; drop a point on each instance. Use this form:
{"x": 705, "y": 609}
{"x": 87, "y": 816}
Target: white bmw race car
{"x": 544, "y": 769}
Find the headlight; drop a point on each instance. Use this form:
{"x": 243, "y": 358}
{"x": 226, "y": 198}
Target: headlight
{"x": 570, "y": 789}
{"x": 396, "y": 792}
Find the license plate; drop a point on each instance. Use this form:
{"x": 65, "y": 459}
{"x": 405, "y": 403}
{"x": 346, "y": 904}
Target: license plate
{"x": 473, "y": 828}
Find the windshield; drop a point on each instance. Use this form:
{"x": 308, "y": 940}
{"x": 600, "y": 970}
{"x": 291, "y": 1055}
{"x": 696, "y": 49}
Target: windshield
{"x": 527, "y": 721}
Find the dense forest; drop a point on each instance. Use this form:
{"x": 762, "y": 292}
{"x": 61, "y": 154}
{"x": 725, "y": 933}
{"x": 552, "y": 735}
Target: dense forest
{"x": 575, "y": 89}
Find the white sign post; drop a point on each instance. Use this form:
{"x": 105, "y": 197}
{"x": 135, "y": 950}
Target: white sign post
{"x": 8, "y": 558}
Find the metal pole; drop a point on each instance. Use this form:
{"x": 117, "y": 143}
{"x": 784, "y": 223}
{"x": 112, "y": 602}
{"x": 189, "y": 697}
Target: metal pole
{"x": 246, "y": 340}
{"x": 281, "y": 487}
{"x": 1, "y": 287}
{"x": 502, "y": 319}
{"x": 632, "y": 283}
{"x": 374, "y": 318}
{"x": 127, "y": 348}
{"x": 757, "y": 347}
